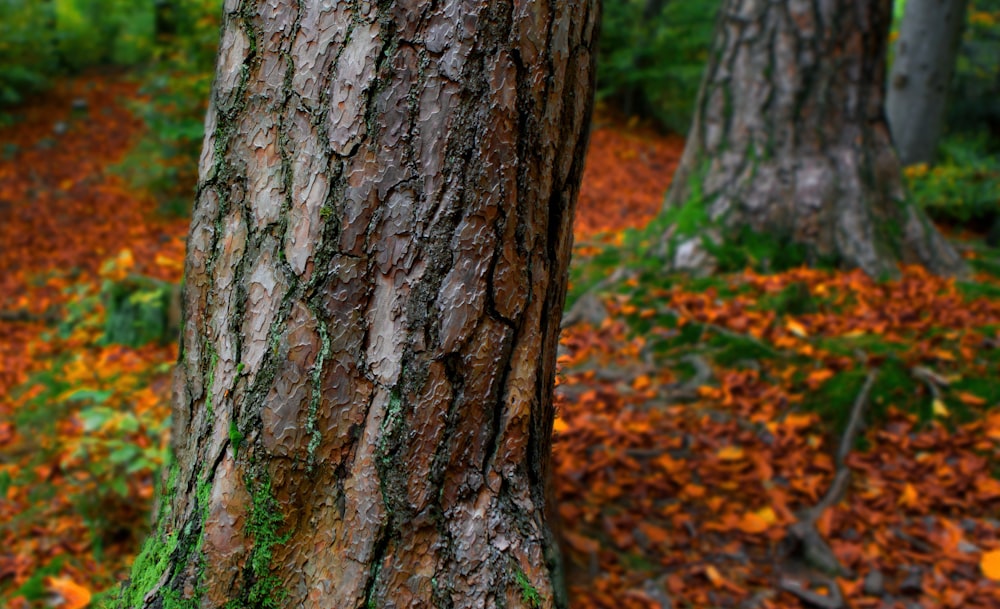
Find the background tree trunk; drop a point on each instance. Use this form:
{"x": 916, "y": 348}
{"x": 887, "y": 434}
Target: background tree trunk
{"x": 926, "y": 51}
{"x": 789, "y": 140}
{"x": 375, "y": 273}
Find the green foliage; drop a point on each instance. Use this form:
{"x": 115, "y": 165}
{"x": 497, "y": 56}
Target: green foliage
{"x": 26, "y": 48}
{"x": 963, "y": 187}
{"x": 652, "y": 55}
{"x": 136, "y": 311}
{"x": 41, "y": 40}
{"x": 974, "y": 100}
{"x": 121, "y": 441}
{"x": 177, "y": 89}
{"x": 762, "y": 252}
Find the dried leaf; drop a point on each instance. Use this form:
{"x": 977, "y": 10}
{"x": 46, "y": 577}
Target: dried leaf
{"x": 970, "y": 399}
{"x": 73, "y": 595}
{"x": 730, "y": 453}
{"x": 939, "y": 408}
{"x": 796, "y": 328}
{"x": 990, "y": 564}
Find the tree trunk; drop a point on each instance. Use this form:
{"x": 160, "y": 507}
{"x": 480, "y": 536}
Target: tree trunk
{"x": 375, "y": 273}
{"x": 921, "y": 75}
{"x": 789, "y": 141}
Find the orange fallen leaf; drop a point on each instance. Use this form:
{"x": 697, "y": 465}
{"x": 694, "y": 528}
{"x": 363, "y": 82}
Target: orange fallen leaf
{"x": 694, "y": 491}
{"x": 730, "y": 453}
{"x": 657, "y": 535}
{"x": 641, "y": 382}
{"x": 74, "y": 596}
{"x": 987, "y": 488}
{"x": 584, "y": 545}
{"x": 970, "y": 399}
{"x": 719, "y": 581}
{"x": 909, "y": 498}
{"x": 990, "y": 564}
{"x": 714, "y": 576}
{"x": 798, "y": 421}
{"x": 796, "y": 328}
{"x": 818, "y": 377}
{"x": 753, "y": 523}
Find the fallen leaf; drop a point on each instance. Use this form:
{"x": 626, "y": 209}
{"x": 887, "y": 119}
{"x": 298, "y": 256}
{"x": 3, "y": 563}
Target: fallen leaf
{"x": 74, "y": 596}
{"x": 656, "y": 535}
{"x": 939, "y": 408}
{"x": 641, "y": 382}
{"x": 990, "y": 564}
{"x": 751, "y": 522}
{"x": 909, "y": 498}
{"x": 730, "y": 453}
{"x": 970, "y": 399}
{"x": 796, "y": 328}
{"x": 584, "y": 545}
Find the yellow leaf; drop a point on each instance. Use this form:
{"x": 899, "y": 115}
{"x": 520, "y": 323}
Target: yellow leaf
{"x": 169, "y": 263}
{"x": 939, "y": 408}
{"x": 559, "y": 426}
{"x": 796, "y": 328}
{"x": 74, "y": 596}
{"x": 767, "y": 515}
{"x": 990, "y": 564}
{"x": 730, "y": 453}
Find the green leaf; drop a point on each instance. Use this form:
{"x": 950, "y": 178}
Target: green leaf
{"x": 125, "y": 454}
{"x": 95, "y": 418}
{"x": 89, "y": 395}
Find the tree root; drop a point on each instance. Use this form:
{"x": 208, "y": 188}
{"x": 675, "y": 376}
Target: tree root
{"x": 804, "y": 543}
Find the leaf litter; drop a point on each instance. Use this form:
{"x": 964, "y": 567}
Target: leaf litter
{"x": 699, "y": 421}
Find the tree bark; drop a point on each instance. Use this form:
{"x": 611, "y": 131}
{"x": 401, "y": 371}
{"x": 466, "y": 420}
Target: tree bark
{"x": 789, "y": 140}
{"x": 375, "y": 273}
{"x": 921, "y": 75}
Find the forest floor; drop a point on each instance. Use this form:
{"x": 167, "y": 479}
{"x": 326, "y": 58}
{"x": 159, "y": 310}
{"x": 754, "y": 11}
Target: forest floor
{"x": 705, "y": 455}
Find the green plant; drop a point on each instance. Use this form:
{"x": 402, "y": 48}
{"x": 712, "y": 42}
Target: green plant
{"x": 974, "y": 99}
{"x": 963, "y": 187}
{"x": 652, "y": 55}
{"x": 42, "y": 40}
{"x": 177, "y": 88}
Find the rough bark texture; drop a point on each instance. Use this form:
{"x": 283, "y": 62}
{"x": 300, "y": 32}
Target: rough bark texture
{"x": 789, "y": 137}
{"x": 375, "y": 273}
{"x": 921, "y": 74}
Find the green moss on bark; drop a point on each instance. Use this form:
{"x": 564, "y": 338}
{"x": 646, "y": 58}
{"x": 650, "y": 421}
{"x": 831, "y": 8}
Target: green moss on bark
{"x": 263, "y": 589}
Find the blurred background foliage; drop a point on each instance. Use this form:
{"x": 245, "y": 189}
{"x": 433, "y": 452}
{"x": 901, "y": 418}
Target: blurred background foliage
{"x": 650, "y": 64}
{"x": 652, "y": 54}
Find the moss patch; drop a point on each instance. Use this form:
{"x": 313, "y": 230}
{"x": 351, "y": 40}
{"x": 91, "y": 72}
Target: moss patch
{"x": 529, "y": 595}
{"x": 262, "y": 589}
